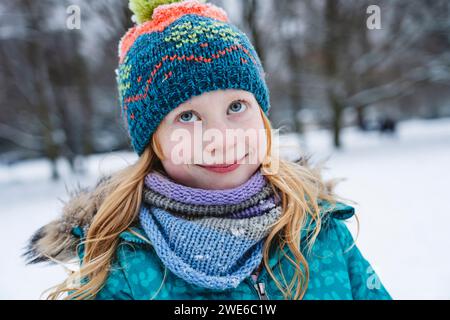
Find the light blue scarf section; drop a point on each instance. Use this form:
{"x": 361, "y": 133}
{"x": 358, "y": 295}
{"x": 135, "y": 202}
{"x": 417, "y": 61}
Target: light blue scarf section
{"x": 209, "y": 251}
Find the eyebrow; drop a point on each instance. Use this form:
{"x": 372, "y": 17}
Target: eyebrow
{"x": 184, "y": 109}
{"x": 237, "y": 95}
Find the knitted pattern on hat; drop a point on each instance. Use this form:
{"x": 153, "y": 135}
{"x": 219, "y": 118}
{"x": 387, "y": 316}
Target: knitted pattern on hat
{"x": 211, "y": 251}
{"x": 188, "y": 48}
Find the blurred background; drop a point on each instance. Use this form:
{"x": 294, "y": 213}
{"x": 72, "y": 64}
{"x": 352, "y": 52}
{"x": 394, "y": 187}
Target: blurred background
{"x": 361, "y": 84}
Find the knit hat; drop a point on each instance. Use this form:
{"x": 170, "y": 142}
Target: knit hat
{"x": 176, "y": 51}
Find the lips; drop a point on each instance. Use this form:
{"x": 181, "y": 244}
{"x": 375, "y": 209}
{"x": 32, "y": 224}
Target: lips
{"x": 218, "y": 165}
{"x": 222, "y": 168}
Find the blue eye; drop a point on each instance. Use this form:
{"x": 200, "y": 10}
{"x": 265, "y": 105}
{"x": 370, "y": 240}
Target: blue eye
{"x": 188, "y": 116}
{"x": 237, "y": 107}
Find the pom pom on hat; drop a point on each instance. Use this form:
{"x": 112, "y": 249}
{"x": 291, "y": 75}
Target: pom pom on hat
{"x": 162, "y": 15}
{"x": 143, "y": 9}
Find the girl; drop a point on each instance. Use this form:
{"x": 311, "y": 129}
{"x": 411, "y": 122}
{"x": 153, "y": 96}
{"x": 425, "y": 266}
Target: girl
{"x": 237, "y": 222}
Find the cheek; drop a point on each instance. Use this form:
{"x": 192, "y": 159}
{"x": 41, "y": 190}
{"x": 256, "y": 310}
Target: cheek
{"x": 252, "y": 119}
{"x": 177, "y": 146}
{"x": 177, "y": 172}
{"x": 172, "y": 149}
{"x": 256, "y": 142}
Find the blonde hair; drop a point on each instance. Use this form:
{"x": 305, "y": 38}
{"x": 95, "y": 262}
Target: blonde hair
{"x": 298, "y": 185}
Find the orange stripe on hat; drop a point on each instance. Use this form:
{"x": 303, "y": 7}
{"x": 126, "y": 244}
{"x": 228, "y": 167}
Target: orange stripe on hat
{"x": 164, "y": 15}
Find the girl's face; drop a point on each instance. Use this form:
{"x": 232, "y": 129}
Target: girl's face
{"x": 213, "y": 141}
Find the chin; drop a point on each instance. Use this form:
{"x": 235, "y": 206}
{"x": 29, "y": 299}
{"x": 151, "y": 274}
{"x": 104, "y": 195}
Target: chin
{"x": 228, "y": 180}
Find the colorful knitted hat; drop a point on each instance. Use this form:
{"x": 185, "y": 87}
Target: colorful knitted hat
{"x": 176, "y": 51}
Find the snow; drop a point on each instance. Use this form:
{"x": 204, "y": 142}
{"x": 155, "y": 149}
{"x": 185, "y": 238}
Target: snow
{"x": 400, "y": 185}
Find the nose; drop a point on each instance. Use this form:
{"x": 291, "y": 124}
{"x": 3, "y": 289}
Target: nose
{"x": 219, "y": 147}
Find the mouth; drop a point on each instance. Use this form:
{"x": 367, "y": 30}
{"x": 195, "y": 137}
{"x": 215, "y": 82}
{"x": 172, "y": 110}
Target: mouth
{"x": 223, "y": 168}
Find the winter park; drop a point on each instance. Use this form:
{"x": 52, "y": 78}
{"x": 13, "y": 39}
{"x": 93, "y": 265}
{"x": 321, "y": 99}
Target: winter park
{"x": 360, "y": 89}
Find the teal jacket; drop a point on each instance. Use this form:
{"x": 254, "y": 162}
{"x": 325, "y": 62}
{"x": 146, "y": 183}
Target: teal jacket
{"x": 337, "y": 270}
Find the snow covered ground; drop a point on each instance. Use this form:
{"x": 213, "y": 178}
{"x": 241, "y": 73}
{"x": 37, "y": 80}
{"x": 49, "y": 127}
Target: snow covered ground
{"x": 400, "y": 185}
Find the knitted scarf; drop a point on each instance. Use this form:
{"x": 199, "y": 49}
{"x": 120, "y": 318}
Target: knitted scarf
{"x": 209, "y": 238}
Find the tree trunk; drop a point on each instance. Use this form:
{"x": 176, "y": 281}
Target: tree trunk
{"x": 337, "y": 121}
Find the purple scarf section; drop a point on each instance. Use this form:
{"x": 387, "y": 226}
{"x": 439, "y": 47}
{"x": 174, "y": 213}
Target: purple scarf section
{"x": 167, "y": 187}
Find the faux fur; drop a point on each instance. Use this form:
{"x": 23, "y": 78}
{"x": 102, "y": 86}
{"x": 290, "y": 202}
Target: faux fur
{"x": 55, "y": 241}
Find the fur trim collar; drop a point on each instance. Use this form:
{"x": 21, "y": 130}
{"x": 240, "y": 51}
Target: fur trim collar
{"x": 55, "y": 240}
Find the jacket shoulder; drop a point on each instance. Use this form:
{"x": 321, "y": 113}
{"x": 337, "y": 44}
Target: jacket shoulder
{"x": 365, "y": 283}
{"x": 134, "y": 264}
{"x": 338, "y": 210}
{"x": 133, "y": 234}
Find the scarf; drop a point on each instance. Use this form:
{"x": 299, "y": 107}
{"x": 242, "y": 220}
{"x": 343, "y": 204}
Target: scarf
{"x": 209, "y": 238}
